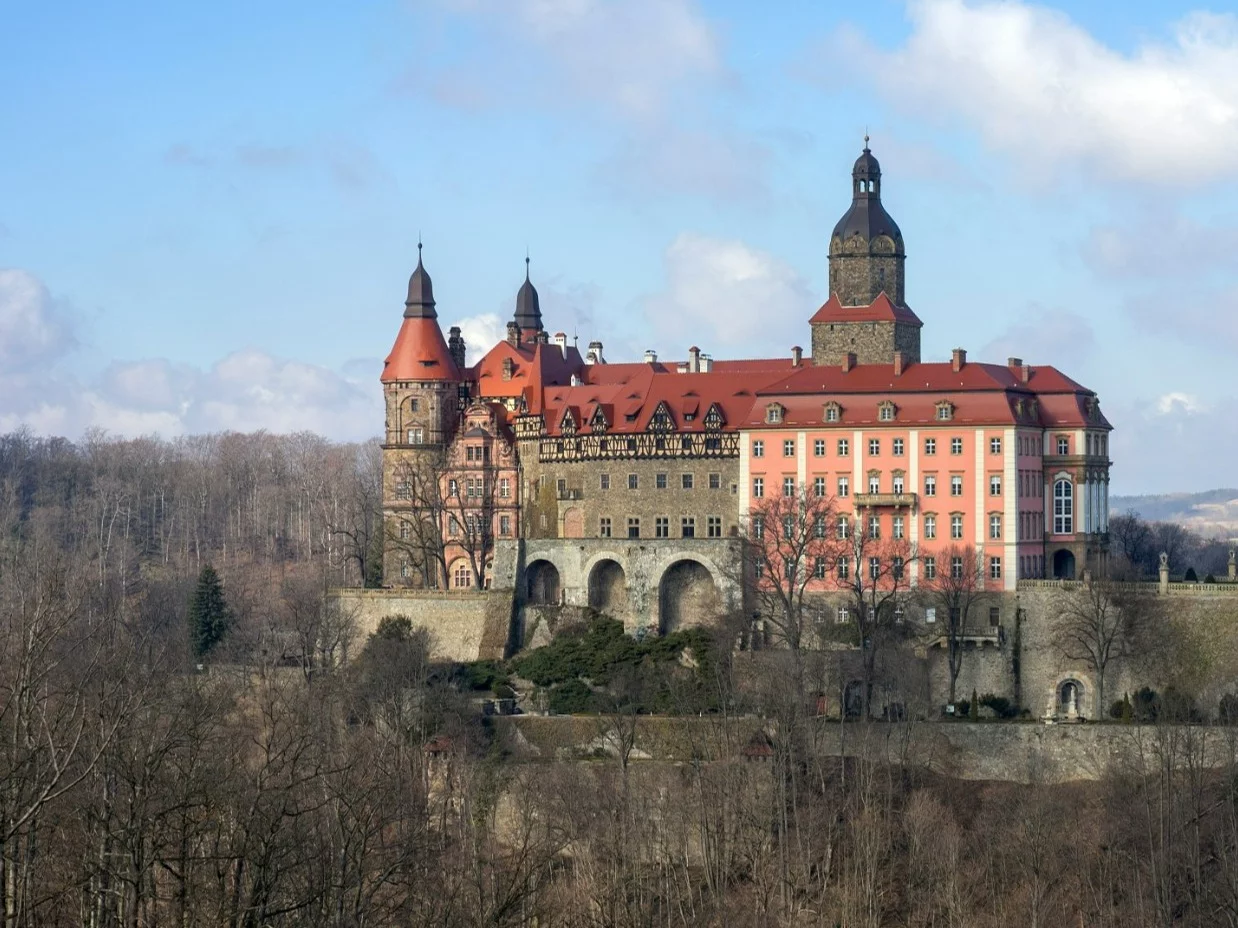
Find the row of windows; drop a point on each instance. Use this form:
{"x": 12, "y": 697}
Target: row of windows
{"x": 843, "y": 447}
{"x": 662, "y": 527}
{"x": 474, "y": 488}
{"x": 886, "y": 411}
{"x": 660, "y": 481}
{"x": 897, "y": 485}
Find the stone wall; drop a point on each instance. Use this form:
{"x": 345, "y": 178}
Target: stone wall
{"x": 577, "y": 511}
{"x": 870, "y": 342}
{"x": 462, "y": 626}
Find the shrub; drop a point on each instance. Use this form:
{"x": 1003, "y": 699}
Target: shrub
{"x": 481, "y": 675}
{"x": 1180, "y": 707}
{"x": 1002, "y": 707}
{"x": 1190, "y": 576}
{"x": 1122, "y": 709}
{"x": 1146, "y": 704}
{"x": 973, "y": 708}
{"x": 571, "y": 697}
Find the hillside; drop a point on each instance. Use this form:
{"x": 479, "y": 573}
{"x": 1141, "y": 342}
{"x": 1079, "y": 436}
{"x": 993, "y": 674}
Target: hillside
{"x": 1211, "y": 513}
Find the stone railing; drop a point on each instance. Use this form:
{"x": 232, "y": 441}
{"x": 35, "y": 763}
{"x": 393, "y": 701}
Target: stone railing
{"x": 897, "y": 500}
{"x": 1174, "y": 589}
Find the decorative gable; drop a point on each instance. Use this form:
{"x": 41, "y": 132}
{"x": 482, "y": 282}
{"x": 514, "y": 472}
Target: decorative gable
{"x": 774, "y": 413}
{"x": 833, "y": 412}
{"x": 886, "y": 411}
{"x": 598, "y": 423}
{"x": 945, "y": 411}
{"x": 567, "y": 425}
{"x": 661, "y": 420}
{"x": 714, "y": 418}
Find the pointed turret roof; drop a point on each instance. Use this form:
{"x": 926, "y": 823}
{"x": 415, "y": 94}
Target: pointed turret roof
{"x": 528, "y": 308}
{"x": 420, "y": 351}
{"x": 420, "y": 302}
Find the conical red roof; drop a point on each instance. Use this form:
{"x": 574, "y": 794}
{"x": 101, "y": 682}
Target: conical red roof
{"x": 419, "y": 353}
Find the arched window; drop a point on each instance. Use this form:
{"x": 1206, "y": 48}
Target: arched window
{"x": 1063, "y": 507}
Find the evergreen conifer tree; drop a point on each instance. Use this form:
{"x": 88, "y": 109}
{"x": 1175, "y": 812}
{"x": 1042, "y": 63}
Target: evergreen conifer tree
{"x": 209, "y": 616}
{"x": 973, "y": 711}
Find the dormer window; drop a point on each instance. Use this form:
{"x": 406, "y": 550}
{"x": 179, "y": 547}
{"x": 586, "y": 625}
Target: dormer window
{"x": 713, "y": 418}
{"x": 885, "y": 412}
{"x": 661, "y": 420}
{"x": 773, "y": 413}
{"x": 945, "y": 411}
{"x": 833, "y": 412}
{"x": 568, "y": 424}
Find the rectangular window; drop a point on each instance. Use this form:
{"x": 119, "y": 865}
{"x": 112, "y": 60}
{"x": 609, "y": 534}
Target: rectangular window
{"x": 1063, "y": 445}
{"x": 930, "y": 446}
{"x": 686, "y": 481}
{"x": 688, "y": 527}
{"x": 874, "y": 568}
{"x": 995, "y": 616}
{"x": 956, "y": 527}
{"x": 403, "y": 490}
{"x": 662, "y": 527}
{"x": 995, "y": 446}
{"x": 758, "y": 449}
{"x": 844, "y": 486}
{"x": 930, "y": 527}
{"x": 818, "y": 448}
{"x": 886, "y": 413}
{"x": 844, "y": 447}
{"x": 930, "y": 484}
{"x": 818, "y": 486}
{"x": 818, "y": 527}
{"x": 505, "y": 488}
{"x": 930, "y": 568}
{"x": 898, "y": 527}
{"x": 995, "y": 568}
{"x": 995, "y": 527}
{"x": 633, "y": 527}
{"x": 788, "y": 527}
{"x": 874, "y": 446}
{"x": 633, "y": 482}
{"x": 788, "y": 447}
{"x": 713, "y": 526}
{"x": 758, "y": 487}
{"x": 818, "y": 568}
{"x": 844, "y": 526}
{"x": 416, "y": 404}
{"x": 604, "y": 527}
{"x": 956, "y": 446}
{"x": 416, "y": 436}
{"x": 505, "y": 525}
{"x": 897, "y": 483}
{"x": 788, "y": 486}
{"x": 560, "y": 486}
{"x": 715, "y": 481}
{"x": 844, "y": 568}
{"x": 956, "y": 485}
{"x": 659, "y": 481}
{"x": 897, "y": 447}
{"x": 758, "y": 527}
{"x": 995, "y": 485}
{"x": 758, "y": 566}
{"x": 874, "y": 483}
{"x": 842, "y": 615}
{"x": 896, "y": 567}
{"x": 956, "y": 568}
{"x": 604, "y": 482}
{"x": 874, "y": 526}
{"x": 406, "y": 531}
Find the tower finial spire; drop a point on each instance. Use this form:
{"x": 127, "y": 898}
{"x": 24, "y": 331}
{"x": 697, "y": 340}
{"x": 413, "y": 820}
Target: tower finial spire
{"x": 526, "y": 262}
{"x": 418, "y": 246}
{"x": 866, "y": 138}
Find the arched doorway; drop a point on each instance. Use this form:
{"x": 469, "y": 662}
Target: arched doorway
{"x": 1063, "y": 565}
{"x": 1070, "y": 699}
{"x": 687, "y": 596}
{"x": 608, "y": 591}
{"x": 574, "y": 523}
{"x": 543, "y": 584}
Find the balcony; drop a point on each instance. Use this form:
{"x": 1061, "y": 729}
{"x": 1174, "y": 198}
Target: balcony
{"x": 889, "y": 500}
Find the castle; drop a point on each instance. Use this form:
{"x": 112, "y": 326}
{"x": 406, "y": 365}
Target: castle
{"x": 566, "y": 480}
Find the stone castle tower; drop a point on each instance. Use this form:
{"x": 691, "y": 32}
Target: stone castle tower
{"x": 867, "y": 313}
{"x": 421, "y": 390}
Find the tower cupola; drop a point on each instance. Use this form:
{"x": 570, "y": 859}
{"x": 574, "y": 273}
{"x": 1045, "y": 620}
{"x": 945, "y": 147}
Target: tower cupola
{"x": 420, "y": 302}
{"x": 866, "y": 246}
{"x": 528, "y": 307}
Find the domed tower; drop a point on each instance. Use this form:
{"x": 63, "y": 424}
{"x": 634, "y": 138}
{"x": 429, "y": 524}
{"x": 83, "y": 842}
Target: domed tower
{"x": 421, "y": 388}
{"x": 528, "y": 318}
{"x": 866, "y": 273}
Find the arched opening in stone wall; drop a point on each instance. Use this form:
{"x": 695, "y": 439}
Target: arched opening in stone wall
{"x": 1063, "y": 565}
{"x": 687, "y": 596}
{"x": 1070, "y": 699}
{"x": 853, "y": 699}
{"x": 574, "y": 523}
{"x": 543, "y": 584}
{"x": 608, "y": 590}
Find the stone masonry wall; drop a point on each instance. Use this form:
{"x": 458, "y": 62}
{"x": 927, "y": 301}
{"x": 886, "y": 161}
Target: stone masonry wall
{"x": 870, "y": 342}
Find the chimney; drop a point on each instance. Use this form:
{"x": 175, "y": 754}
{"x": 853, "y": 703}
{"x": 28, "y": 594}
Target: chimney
{"x": 1014, "y": 363}
{"x": 958, "y": 359}
{"x": 595, "y": 349}
{"x": 560, "y": 341}
{"x": 651, "y": 356}
{"x": 848, "y": 361}
{"x": 694, "y": 360}
{"x": 797, "y": 355}
{"x": 508, "y": 368}
{"x": 455, "y": 345}
{"x": 898, "y": 364}
{"x": 1025, "y": 373}
{"x": 707, "y": 363}
{"x": 513, "y": 334}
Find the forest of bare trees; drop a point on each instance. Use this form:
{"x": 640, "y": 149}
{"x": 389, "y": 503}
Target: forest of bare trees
{"x": 292, "y": 774}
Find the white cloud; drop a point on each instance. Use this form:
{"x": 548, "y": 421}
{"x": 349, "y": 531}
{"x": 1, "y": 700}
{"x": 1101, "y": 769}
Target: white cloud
{"x": 481, "y": 333}
{"x": 725, "y": 295}
{"x": 33, "y": 328}
{"x": 1037, "y": 85}
{"x": 1174, "y": 404}
{"x": 1159, "y": 244}
{"x": 1172, "y": 443}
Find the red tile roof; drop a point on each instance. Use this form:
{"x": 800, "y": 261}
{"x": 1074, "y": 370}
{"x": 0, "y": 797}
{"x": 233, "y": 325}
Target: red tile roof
{"x": 882, "y": 309}
{"x": 419, "y": 353}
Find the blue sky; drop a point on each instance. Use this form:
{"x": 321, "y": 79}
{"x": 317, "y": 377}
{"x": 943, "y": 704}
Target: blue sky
{"x": 208, "y": 213}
